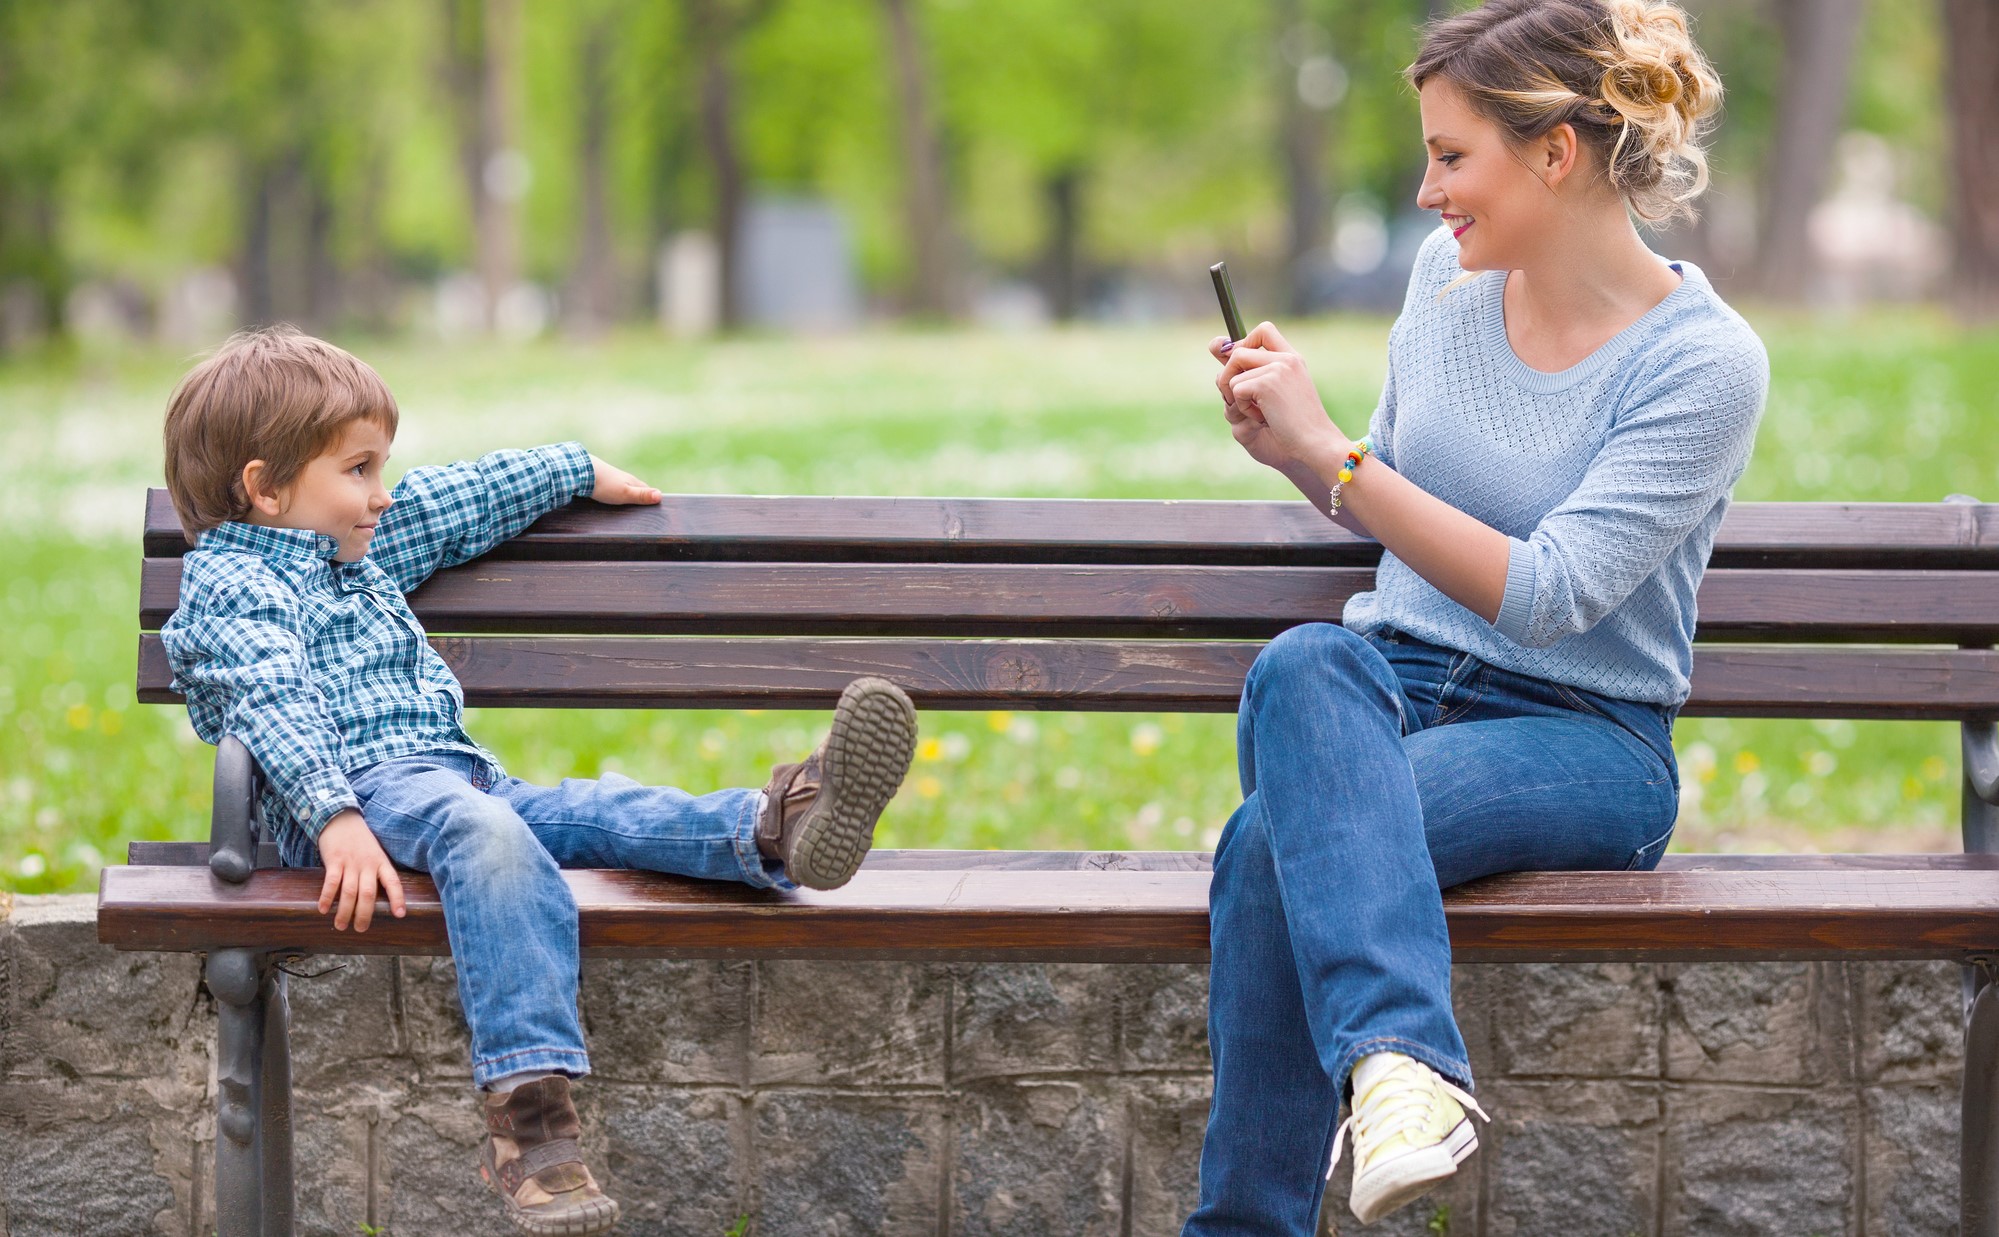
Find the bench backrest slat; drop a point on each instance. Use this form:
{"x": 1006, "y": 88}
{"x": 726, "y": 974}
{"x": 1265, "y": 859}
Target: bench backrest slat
{"x": 1009, "y": 599}
{"x": 1098, "y": 675}
{"x": 823, "y": 529}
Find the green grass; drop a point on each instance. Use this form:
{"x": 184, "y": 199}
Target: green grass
{"x": 1098, "y": 413}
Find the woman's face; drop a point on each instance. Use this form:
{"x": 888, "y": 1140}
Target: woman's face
{"x": 1488, "y": 191}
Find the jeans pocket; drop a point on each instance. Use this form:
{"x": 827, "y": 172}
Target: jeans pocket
{"x": 1646, "y": 857}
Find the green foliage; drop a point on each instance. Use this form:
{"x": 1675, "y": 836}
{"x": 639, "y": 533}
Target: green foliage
{"x": 1440, "y": 1221}
{"x": 1093, "y": 413}
{"x": 740, "y": 1227}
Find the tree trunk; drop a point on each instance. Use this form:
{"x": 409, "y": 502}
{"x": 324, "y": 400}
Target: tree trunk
{"x": 1971, "y": 39}
{"x": 1302, "y": 146}
{"x": 591, "y": 285}
{"x": 710, "y": 30}
{"x": 496, "y": 225}
{"x": 1062, "y": 275}
{"x": 1819, "y": 37}
{"x": 934, "y": 288}
{"x": 254, "y": 276}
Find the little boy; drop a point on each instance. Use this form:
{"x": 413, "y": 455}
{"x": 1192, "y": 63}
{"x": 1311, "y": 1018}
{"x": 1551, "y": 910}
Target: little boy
{"x": 292, "y": 634}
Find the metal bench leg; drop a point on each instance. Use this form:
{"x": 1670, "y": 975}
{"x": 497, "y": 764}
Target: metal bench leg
{"x": 274, "y": 1107}
{"x": 1979, "y": 1165}
{"x": 253, "y": 1101}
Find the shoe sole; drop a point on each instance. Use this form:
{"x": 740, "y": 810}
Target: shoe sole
{"x": 867, "y": 755}
{"x": 1409, "y": 1177}
{"x": 599, "y": 1215}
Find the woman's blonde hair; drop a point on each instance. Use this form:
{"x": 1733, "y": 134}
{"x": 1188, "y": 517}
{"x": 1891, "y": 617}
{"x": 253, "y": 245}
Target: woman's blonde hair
{"x": 1625, "y": 73}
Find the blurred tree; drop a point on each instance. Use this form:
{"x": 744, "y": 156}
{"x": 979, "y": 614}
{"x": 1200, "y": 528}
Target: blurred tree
{"x": 1818, "y": 41}
{"x": 714, "y": 28}
{"x": 934, "y": 289}
{"x": 481, "y": 70}
{"x": 1972, "y": 104}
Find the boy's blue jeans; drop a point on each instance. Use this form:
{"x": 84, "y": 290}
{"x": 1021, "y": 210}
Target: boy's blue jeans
{"x": 494, "y": 846}
{"x": 1377, "y": 771}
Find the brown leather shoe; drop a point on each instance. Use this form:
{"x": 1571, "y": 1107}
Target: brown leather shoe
{"x": 819, "y": 818}
{"x": 532, "y": 1159}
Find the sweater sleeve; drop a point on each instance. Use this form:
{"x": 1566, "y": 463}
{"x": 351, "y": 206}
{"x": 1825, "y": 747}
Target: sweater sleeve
{"x": 238, "y": 657}
{"x": 445, "y": 515}
{"x": 1668, "y": 461}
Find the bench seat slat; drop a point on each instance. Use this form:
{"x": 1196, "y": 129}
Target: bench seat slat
{"x": 1185, "y": 676}
{"x": 1108, "y": 916}
{"x": 1920, "y": 535}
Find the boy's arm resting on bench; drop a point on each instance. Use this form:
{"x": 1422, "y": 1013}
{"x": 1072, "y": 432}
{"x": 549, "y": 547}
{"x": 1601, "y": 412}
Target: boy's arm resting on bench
{"x": 238, "y": 658}
{"x": 443, "y": 515}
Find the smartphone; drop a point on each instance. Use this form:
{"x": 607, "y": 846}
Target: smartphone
{"x": 1231, "y": 316}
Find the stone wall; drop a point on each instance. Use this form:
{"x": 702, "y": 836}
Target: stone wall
{"x": 879, "y": 1098}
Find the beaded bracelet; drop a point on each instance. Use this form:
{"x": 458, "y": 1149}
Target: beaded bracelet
{"x": 1355, "y": 454}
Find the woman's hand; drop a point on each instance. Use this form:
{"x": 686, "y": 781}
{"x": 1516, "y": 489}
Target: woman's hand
{"x": 356, "y": 869}
{"x": 619, "y": 488}
{"x": 1273, "y": 407}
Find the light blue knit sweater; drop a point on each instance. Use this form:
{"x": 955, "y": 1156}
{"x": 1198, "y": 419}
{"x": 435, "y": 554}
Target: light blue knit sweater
{"x": 1610, "y": 477}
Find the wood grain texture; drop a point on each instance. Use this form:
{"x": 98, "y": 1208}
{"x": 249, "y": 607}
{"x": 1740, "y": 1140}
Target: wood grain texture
{"x": 728, "y": 527}
{"x": 860, "y": 599}
{"x": 1104, "y": 675}
{"x": 1113, "y": 915}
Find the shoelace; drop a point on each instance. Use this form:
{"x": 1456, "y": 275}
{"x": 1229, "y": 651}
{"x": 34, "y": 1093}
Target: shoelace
{"x": 1401, "y": 1100}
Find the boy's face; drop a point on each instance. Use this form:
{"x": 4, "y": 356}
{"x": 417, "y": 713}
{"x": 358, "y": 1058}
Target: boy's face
{"x": 340, "y": 493}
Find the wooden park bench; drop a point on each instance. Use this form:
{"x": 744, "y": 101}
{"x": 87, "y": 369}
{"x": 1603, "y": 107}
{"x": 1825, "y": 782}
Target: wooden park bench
{"x": 1809, "y": 611}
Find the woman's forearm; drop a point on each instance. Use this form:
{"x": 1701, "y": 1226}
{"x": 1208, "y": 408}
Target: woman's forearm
{"x": 1463, "y": 558}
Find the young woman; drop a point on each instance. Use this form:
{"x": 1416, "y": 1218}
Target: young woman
{"x": 1564, "y": 417}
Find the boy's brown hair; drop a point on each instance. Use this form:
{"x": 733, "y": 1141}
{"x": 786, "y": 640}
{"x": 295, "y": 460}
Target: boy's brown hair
{"x": 271, "y": 394}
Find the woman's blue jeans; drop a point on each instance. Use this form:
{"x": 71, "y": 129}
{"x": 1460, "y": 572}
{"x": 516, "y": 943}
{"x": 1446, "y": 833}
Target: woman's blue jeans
{"x": 495, "y": 847}
{"x": 1376, "y": 772}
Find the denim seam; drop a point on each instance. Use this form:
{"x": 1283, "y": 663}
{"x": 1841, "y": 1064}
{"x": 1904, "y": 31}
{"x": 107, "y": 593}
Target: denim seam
{"x": 1456, "y": 1071}
{"x": 1481, "y": 683}
{"x": 1579, "y": 781}
{"x": 570, "y": 1060}
{"x": 748, "y": 857}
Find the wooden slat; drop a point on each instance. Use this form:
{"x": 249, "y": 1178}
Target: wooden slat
{"x": 195, "y": 854}
{"x": 1106, "y": 915}
{"x": 1106, "y": 675}
{"x": 1826, "y": 535}
{"x": 760, "y": 599}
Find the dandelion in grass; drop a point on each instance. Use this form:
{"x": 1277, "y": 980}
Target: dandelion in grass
{"x": 1934, "y": 769}
{"x": 1146, "y": 738}
{"x": 1700, "y": 761}
{"x": 929, "y": 749}
{"x": 79, "y": 717}
{"x": 929, "y": 787}
{"x": 998, "y": 721}
{"x": 1911, "y": 788}
{"x": 1747, "y": 762}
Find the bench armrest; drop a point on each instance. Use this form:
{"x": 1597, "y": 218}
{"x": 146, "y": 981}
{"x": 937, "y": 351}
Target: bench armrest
{"x": 237, "y": 817}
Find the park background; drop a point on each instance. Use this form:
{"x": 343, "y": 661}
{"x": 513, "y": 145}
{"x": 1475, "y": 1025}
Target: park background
{"x": 893, "y": 247}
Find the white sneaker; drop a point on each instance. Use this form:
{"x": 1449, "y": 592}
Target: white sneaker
{"x": 1410, "y": 1133}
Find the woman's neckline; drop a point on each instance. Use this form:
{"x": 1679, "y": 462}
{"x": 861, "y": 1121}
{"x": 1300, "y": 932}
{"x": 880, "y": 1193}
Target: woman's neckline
{"x": 1493, "y": 288}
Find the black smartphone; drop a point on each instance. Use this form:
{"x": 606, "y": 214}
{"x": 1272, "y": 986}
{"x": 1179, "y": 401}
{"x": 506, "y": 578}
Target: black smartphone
{"x": 1231, "y": 316}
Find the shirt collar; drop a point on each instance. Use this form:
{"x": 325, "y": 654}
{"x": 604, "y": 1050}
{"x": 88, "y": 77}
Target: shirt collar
{"x": 268, "y": 542}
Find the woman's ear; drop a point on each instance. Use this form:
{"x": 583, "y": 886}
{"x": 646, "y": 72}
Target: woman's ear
{"x": 263, "y": 500}
{"x": 1557, "y": 154}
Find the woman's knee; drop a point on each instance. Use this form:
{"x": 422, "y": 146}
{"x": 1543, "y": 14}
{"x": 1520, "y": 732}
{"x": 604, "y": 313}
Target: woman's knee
{"x": 1321, "y": 653}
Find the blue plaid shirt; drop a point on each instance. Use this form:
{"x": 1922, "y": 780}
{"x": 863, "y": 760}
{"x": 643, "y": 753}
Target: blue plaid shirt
{"x": 318, "y": 666}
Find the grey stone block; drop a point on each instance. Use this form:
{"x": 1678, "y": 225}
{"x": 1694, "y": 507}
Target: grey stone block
{"x": 429, "y": 1170}
{"x": 1751, "y": 1163}
{"x": 1168, "y": 1117}
{"x": 1033, "y": 1159}
{"x": 1761, "y": 1022}
{"x": 343, "y": 1016}
{"x": 1164, "y": 1013}
{"x": 1912, "y": 1020}
{"x": 829, "y": 1165}
{"x": 433, "y": 1020}
{"x": 337, "y": 1152}
{"x": 677, "y": 1023}
{"x": 90, "y": 1158}
{"x": 871, "y": 1023}
{"x": 1911, "y": 1145}
{"x": 1023, "y": 1018}
{"x": 74, "y": 1008}
{"x": 1585, "y": 1019}
{"x": 673, "y": 1158}
{"x": 1577, "y": 1158}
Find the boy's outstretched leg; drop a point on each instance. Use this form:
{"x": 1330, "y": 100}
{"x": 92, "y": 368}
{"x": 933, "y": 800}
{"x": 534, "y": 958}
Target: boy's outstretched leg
{"x": 531, "y": 1157}
{"x": 819, "y": 815}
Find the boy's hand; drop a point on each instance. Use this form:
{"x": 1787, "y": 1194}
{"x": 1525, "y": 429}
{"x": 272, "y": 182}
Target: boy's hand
{"x": 355, "y": 868}
{"x": 620, "y": 488}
